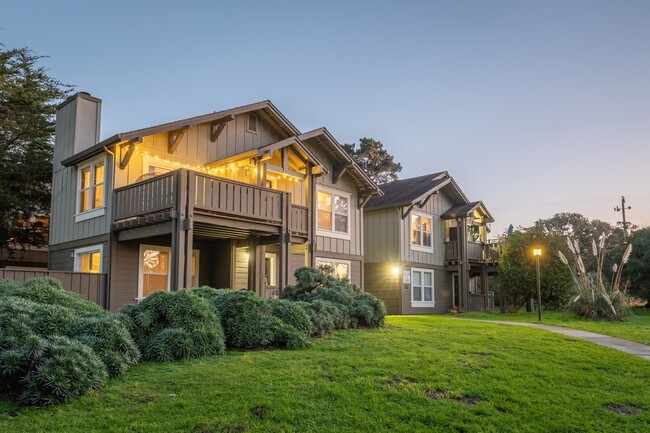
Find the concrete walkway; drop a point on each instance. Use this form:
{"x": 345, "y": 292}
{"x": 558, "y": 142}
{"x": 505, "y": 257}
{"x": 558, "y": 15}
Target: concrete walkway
{"x": 637, "y": 349}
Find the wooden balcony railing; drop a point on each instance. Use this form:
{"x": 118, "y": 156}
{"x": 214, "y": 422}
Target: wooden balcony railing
{"x": 209, "y": 195}
{"x": 145, "y": 197}
{"x": 477, "y": 252}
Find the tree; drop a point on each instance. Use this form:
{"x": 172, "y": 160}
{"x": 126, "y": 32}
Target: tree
{"x": 28, "y": 99}
{"x": 374, "y": 160}
{"x": 518, "y": 274}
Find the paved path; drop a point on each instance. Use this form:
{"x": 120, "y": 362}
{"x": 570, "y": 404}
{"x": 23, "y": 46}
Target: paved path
{"x": 638, "y": 349}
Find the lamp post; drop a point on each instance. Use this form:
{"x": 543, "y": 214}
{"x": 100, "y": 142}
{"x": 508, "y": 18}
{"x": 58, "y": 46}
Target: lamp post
{"x": 537, "y": 252}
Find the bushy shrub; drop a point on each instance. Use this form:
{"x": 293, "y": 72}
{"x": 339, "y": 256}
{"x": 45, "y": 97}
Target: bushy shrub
{"x": 55, "y": 346}
{"x": 324, "y": 315}
{"x": 174, "y": 325}
{"x": 249, "y": 323}
{"x": 292, "y": 314}
{"x": 355, "y": 308}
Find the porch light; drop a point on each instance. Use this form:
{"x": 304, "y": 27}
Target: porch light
{"x": 395, "y": 270}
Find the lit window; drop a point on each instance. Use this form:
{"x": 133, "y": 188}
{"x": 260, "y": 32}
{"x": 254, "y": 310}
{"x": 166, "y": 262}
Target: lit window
{"x": 88, "y": 259}
{"x": 421, "y": 231}
{"x": 155, "y": 264}
{"x": 91, "y": 186}
{"x": 338, "y": 268}
{"x": 333, "y": 212}
{"x": 422, "y": 288}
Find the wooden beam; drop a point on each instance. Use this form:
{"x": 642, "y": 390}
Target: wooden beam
{"x": 363, "y": 200}
{"x": 217, "y": 126}
{"x": 174, "y": 138}
{"x": 339, "y": 170}
{"x": 125, "y": 159}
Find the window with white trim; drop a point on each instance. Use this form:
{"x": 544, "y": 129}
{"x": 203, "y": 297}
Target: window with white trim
{"x": 421, "y": 232}
{"x": 333, "y": 213}
{"x": 422, "y": 293}
{"x": 91, "y": 186}
{"x": 340, "y": 268}
{"x": 88, "y": 259}
{"x": 155, "y": 262}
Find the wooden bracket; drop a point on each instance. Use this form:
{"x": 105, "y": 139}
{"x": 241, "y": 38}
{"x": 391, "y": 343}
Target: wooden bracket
{"x": 408, "y": 211}
{"x": 175, "y": 137}
{"x": 217, "y": 126}
{"x": 363, "y": 200}
{"x": 127, "y": 156}
{"x": 339, "y": 170}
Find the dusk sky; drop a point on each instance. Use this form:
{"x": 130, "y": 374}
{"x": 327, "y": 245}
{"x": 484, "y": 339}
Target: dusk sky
{"x": 533, "y": 107}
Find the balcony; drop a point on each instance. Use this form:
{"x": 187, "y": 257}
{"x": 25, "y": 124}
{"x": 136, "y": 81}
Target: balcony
{"x": 213, "y": 199}
{"x": 476, "y": 252}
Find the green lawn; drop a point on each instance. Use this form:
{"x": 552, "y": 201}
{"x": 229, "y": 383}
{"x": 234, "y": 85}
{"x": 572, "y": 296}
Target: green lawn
{"x": 636, "y": 326}
{"x": 418, "y": 374}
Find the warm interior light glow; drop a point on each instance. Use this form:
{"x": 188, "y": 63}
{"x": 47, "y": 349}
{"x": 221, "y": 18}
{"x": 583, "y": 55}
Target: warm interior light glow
{"x": 537, "y": 252}
{"x": 395, "y": 270}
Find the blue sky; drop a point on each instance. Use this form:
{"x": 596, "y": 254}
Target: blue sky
{"x": 534, "y": 107}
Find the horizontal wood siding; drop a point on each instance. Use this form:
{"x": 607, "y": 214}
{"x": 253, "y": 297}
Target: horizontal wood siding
{"x": 91, "y": 287}
{"x": 442, "y": 288}
{"x": 381, "y": 233}
{"x": 380, "y": 281}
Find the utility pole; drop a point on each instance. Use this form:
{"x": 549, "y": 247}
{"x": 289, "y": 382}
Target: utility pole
{"x": 625, "y": 223}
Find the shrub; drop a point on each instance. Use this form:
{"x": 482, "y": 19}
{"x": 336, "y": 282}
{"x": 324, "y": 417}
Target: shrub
{"x": 292, "y": 314}
{"x": 355, "y": 308}
{"x": 54, "y": 346}
{"x": 324, "y": 316}
{"x": 249, "y": 323}
{"x": 174, "y": 325}
{"x": 595, "y": 297}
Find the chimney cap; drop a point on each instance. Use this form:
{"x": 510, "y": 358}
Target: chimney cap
{"x": 84, "y": 95}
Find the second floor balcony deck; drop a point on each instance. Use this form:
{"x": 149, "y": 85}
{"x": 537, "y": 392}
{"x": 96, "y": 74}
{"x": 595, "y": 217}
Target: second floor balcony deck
{"x": 186, "y": 192}
{"x": 478, "y": 252}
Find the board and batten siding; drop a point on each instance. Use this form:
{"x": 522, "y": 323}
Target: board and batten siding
{"x": 61, "y": 256}
{"x": 65, "y": 186}
{"x": 196, "y": 149}
{"x": 436, "y": 206}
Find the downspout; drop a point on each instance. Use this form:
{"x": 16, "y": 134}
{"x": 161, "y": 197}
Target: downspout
{"x": 110, "y": 232}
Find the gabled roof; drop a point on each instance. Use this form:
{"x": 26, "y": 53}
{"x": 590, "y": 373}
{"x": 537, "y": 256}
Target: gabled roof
{"x": 333, "y": 148}
{"x": 467, "y": 209}
{"x": 266, "y": 109}
{"x": 409, "y": 192}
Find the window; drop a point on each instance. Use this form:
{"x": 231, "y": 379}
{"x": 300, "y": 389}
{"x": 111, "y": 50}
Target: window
{"x": 88, "y": 259}
{"x": 91, "y": 186}
{"x": 90, "y": 190}
{"x": 341, "y": 268}
{"x": 421, "y": 232}
{"x": 155, "y": 262}
{"x": 422, "y": 294}
{"x": 333, "y": 213}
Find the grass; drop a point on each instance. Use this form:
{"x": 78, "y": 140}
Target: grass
{"x": 418, "y": 374}
{"x": 636, "y": 326}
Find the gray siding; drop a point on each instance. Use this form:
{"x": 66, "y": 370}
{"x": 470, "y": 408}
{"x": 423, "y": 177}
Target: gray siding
{"x": 381, "y": 236}
{"x": 380, "y": 281}
{"x": 63, "y": 227}
{"x": 61, "y": 256}
{"x": 442, "y": 282}
{"x": 436, "y": 206}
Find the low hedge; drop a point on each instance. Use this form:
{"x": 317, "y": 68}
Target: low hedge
{"x": 249, "y": 321}
{"x": 55, "y": 346}
{"x": 174, "y": 325}
{"x": 355, "y": 308}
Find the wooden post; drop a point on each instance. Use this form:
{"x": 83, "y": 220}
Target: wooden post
{"x": 484, "y": 286}
{"x": 284, "y": 254}
{"x": 188, "y": 224}
{"x": 177, "y": 274}
{"x": 252, "y": 264}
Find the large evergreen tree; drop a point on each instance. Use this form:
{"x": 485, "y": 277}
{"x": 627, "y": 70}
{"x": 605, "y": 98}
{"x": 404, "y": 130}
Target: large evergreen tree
{"x": 28, "y": 99}
{"x": 374, "y": 160}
